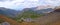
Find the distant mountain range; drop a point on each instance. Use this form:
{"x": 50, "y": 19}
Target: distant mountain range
{"x": 9, "y": 12}
{"x": 48, "y": 10}
{"x": 14, "y": 13}
{"x": 41, "y": 11}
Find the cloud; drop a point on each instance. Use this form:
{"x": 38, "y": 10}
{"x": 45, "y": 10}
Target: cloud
{"x": 20, "y": 4}
{"x": 52, "y": 2}
{"x": 2, "y": 0}
{"x": 5, "y": 0}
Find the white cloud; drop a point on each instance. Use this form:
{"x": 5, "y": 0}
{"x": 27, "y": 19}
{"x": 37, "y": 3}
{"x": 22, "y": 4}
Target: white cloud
{"x": 53, "y": 2}
{"x": 28, "y": 3}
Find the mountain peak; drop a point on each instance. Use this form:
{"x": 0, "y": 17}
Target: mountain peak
{"x": 57, "y": 9}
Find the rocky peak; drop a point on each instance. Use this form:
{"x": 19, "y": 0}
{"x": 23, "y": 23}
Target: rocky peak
{"x": 57, "y": 9}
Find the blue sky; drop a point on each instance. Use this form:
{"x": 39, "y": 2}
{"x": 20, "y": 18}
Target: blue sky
{"x": 20, "y": 4}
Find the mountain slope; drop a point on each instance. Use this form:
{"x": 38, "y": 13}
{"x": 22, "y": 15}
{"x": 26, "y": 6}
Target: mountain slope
{"x": 52, "y": 18}
{"x": 9, "y": 12}
{"x": 41, "y": 11}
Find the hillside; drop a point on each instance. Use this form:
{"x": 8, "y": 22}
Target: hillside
{"x": 9, "y": 12}
{"x": 52, "y": 18}
{"x": 13, "y": 22}
{"x": 29, "y": 14}
{"x": 41, "y": 11}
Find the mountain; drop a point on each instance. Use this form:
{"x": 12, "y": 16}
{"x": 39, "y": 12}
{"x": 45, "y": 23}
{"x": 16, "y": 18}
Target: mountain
{"x": 9, "y": 12}
{"x": 51, "y": 18}
{"x": 41, "y": 11}
{"x": 32, "y": 13}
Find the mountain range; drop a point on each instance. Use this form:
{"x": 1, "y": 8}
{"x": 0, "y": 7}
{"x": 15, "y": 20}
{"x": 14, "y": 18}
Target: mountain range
{"x": 14, "y": 13}
{"x": 41, "y": 11}
{"x": 9, "y": 12}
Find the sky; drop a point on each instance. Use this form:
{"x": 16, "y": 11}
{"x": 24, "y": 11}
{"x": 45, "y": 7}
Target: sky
{"x": 21, "y": 4}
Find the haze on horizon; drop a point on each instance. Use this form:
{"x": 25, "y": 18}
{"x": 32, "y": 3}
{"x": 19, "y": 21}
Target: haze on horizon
{"x": 21, "y": 4}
